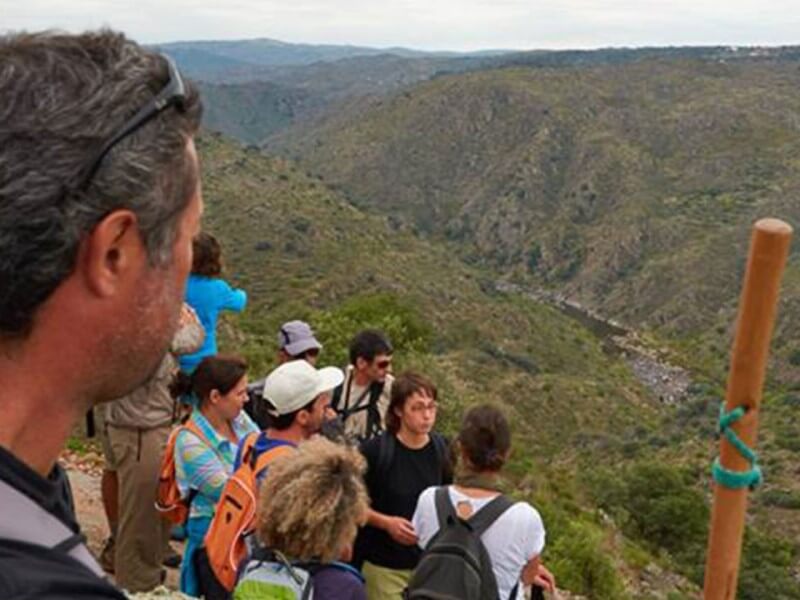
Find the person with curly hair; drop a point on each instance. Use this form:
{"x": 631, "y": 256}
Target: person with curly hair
{"x": 311, "y": 505}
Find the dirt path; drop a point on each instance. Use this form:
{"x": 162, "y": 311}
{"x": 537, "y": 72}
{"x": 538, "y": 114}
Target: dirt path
{"x": 84, "y": 471}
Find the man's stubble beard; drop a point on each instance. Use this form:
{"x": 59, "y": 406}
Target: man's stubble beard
{"x": 134, "y": 351}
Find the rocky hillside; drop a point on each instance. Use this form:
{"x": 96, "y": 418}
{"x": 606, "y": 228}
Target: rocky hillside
{"x": 629, "y": 188}
{"x": 590, "y": 439}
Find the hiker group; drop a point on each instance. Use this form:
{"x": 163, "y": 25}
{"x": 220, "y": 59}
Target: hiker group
{"x": 313, "y": 482}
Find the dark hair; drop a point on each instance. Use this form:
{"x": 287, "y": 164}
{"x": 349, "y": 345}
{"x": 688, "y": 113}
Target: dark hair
{"x": 368, "y": 344}
{"x": 62, "y": 97}
{"x": 206, "y": 255}
{"x": 283, "y": 422}
{"x": 218, "y": 372}
{"x": 485, "y": 437}
{"x": 403, "y": 387}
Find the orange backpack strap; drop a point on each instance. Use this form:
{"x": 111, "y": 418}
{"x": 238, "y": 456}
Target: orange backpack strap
{"x": 194, "y": 428}
{"x": 234, "y": 517}
{"x": 264, "y": 460}
{"x": 169, "y": 501}
{"x": 248, "y": 443}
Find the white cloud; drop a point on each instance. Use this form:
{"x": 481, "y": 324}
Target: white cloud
{"x": 430, "y": 24}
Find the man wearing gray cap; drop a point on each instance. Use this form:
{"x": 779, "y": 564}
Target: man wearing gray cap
{"x": 296, "y": 341}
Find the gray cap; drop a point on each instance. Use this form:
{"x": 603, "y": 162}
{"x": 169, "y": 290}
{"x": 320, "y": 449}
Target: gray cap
{"x": 296, "y": 337}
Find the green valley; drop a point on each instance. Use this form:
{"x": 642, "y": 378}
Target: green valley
{"x": 587, "y": 431}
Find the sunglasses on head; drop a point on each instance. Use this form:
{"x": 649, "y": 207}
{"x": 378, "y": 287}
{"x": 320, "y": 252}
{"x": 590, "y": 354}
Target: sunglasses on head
{"x": 172, "y": 94}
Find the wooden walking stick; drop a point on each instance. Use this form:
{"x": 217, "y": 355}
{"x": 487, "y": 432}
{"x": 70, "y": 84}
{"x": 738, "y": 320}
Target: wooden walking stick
{"x": 736, "y": 470}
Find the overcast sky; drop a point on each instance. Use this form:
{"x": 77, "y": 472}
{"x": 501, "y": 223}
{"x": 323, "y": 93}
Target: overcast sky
{"x": 427, "y": 24}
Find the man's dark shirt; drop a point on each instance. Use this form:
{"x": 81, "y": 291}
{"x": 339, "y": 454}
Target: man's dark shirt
{"x": 395, "y": 494}
{"x": 29, "y": 571}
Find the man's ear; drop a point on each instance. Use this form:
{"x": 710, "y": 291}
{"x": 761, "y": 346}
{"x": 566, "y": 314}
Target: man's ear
{"x": 302, "y": 418}
{"x": 361, "y": 363}
{"x": 112, "y": 252}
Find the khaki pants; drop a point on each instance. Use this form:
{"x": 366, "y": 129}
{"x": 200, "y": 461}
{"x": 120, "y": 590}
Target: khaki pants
{"x": 383, "y": 583}
{"x": 142, "y": 534}
{"x": 105, "y": 444}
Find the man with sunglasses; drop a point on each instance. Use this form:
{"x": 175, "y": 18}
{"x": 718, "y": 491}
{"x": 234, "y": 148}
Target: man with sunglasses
{"x": 363, "y": 397}
{"x": 99, "y": 202}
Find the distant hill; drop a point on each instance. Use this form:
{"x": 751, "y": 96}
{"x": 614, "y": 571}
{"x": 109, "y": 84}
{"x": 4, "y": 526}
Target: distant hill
{"x": 262, "y": 105}
{"x": 214, "y": 60}
{"x": 628, "y": 187}
{"x": 309, "y": 81}
{"x": 250, "y": 112}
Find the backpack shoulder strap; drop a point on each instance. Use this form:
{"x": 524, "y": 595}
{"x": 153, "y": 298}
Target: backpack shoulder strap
{"x": 374, "y": 421}
{"x": 440, "y": 445}
{"x": 195, "y": 430}
{"x": 34, "y": 525}
{"x": 263, "y": 460}
{"x": 444, "y": 508}
{"x": 347, "y": 569}
{"x": 315, "y": 567}
{"x": 375, "y": 391}
{"x": 442, "y": 448}
{"x": 246, "y": 450}
{"x": 386, "y": 448}
{"x": 336, "y": 396}
{"x": 483, "y": 519}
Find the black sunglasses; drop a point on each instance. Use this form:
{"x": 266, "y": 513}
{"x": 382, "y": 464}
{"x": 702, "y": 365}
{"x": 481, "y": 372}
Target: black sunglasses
{"x": 172, "y": 94}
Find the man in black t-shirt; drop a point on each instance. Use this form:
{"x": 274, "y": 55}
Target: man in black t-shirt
{"x": 402, "y": 462}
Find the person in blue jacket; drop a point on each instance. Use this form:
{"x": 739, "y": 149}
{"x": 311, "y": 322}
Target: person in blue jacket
{"x": 208, "y": 294}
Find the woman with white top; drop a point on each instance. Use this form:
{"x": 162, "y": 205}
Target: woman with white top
{"x": 515, "y": 540}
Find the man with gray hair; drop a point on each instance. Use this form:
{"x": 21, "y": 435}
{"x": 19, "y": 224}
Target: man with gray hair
{"x": 99, "y": 202}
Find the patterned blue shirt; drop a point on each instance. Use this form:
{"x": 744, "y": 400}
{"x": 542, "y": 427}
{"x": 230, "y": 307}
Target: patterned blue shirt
{"x": 206, "y": 468}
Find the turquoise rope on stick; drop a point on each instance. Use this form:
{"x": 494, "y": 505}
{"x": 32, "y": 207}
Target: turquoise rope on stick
{"x": 736, "y": 480}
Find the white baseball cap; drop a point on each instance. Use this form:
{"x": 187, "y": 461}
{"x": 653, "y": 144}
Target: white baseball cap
{"x": 294, "y": 384}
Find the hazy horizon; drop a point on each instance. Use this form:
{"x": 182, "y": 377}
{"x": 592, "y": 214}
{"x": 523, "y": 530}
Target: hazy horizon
{"x": 446, "y": 25}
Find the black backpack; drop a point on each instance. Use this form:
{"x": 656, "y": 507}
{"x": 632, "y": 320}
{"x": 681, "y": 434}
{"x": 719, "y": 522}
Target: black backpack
{"x": 455, "y": 564}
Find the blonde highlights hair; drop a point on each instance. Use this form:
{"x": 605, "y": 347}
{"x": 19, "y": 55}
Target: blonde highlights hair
{"x": 313, "y": 501}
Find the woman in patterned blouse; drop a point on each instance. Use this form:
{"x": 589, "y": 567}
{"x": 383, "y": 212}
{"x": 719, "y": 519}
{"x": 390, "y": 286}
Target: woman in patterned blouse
{"x": 203, "y": 464}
